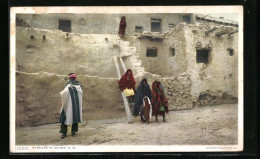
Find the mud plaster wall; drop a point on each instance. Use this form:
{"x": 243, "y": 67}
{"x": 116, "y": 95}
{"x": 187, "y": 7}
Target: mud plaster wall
{"x": 216, "y": 81}
{"x": 101, "y": 23}
{"x": 165, "y": 64}
{"x": 38, "y": 99}
{"x": 190, "y": 84}
{"x": 89, "y": 54}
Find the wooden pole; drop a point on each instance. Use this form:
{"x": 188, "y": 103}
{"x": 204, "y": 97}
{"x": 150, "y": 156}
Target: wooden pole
{"x": 127, "y": 110}
{"x": 123, "y": 65}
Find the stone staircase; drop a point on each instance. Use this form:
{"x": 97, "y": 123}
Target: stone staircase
{"x": 127, "y": 51}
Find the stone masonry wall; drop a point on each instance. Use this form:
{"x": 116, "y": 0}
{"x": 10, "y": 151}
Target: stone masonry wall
{"x": 177, "y": 91}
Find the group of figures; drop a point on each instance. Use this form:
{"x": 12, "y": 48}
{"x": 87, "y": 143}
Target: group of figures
{"x": 147, "y": 102}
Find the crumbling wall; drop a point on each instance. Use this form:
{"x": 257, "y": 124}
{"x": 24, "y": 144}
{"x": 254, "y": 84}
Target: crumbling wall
{"x": 220, "y": 74}
{"x": 212, "y": 83}
{"x": 214, "y": 98}
{"x": 38, "y": 100}
{"x": 55, "y": 52}
{"x": 177, "y": 91}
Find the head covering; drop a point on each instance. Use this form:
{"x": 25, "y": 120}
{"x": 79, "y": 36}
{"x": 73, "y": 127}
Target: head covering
{"x": 147, "y": 99}
{"x": 124, "y": 83}
{"x": 123, "y": 18}
{"x": 73, "y": 79}
{"x": 72, "y": 76}
{"x": 150, "y": 110}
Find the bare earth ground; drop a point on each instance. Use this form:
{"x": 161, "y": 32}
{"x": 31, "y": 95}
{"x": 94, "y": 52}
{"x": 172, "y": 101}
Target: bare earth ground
{"x": 200, "y": 126}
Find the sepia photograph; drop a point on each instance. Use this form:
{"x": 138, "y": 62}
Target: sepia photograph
{"x": 126, "y": 79}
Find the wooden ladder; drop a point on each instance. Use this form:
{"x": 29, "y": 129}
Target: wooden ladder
{"x": 127, "y": 110}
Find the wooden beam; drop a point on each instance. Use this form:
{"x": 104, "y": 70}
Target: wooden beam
{"x": 233, "y": 32}
{"x": 210, "y": 30}
{"x": 127, "y": 110}
{"x": 222, "y": 32}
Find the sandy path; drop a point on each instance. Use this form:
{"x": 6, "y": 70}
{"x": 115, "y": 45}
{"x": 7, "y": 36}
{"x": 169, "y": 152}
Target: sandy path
{"x": 204, "y": 125}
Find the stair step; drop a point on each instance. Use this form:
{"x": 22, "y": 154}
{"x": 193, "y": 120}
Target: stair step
{"x": 124, "y": 43}
{"x": 138, "y": 61}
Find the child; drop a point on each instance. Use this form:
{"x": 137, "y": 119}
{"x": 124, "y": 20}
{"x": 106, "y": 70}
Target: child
{"x": 146, "y": 110}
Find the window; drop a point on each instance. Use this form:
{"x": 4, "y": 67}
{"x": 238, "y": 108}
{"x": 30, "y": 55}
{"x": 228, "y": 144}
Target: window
{"x": 138, "y": 29}
{"x": 202, "y": 56}
{"x": 64, "y": 25}
{"x": 231, "y": 51}
{"x": 151, "y": 52}
{"x": 156, "y": 25}
{"x": 186, "y": 18}
{"x": 172, "y": 51}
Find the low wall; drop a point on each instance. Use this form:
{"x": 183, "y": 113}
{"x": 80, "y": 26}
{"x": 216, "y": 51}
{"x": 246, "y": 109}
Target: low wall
{"x": 38, "y": 100}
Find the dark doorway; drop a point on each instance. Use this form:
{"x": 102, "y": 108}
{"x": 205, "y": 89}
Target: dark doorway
{"x": 202, "y": 56}
{"x": 151, "y": 52}
{"x": 156, "y": 25}
{"x": 65, "y": 25}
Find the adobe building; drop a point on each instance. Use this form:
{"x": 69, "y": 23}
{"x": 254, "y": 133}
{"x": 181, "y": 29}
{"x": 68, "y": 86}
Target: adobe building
{"x": 197, "y": 62}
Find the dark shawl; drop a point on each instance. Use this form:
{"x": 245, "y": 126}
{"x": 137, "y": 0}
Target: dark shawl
{"x": 73, "y": 82}
{"x": 122, "y": 26}
{"x": 158, "y": 98}
{"x": 142, "y": 91}
{"x": 124, "y": 83}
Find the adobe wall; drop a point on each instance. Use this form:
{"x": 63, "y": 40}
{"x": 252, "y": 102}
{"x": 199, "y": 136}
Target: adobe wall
{"x": 165, "y": 64}
{"x": 188, "y": 83}
{"x": 101, "y": 23}
{"x": 216, "y": 82}
{"x": 42, "y": 66}
{"x": 38, "y": 100}
{"x": 89, "y": 54}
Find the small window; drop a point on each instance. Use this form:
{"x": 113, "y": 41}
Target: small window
{"x": 186, "y": 18}
{"x": 156, "y": 25}
{"x": 171, "y": 26}
{"x": 231, "y": 51}
{"x": 172, "y": 51}
{"x": 65, "y": 25}
{"x": 151, "y": 52}
{"x": 138, "y": 29}
{"x": 202, "y": 56}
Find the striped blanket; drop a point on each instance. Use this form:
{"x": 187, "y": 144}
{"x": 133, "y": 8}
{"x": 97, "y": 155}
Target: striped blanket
{"x": 71, "y": 111}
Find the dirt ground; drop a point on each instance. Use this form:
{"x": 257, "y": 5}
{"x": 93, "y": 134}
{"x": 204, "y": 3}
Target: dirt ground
{"x": 206, "y": 125}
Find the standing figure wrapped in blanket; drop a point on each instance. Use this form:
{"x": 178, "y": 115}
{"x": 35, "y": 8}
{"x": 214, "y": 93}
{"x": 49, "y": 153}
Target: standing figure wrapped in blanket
{"x": 146, "y": 110}
{"x": 122, "y": 26}
{"x": 142, "y": 90}
{"x": 127, "y": 81}
{"x": 71, "y": 112}
{"x": 159, "y": 101}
